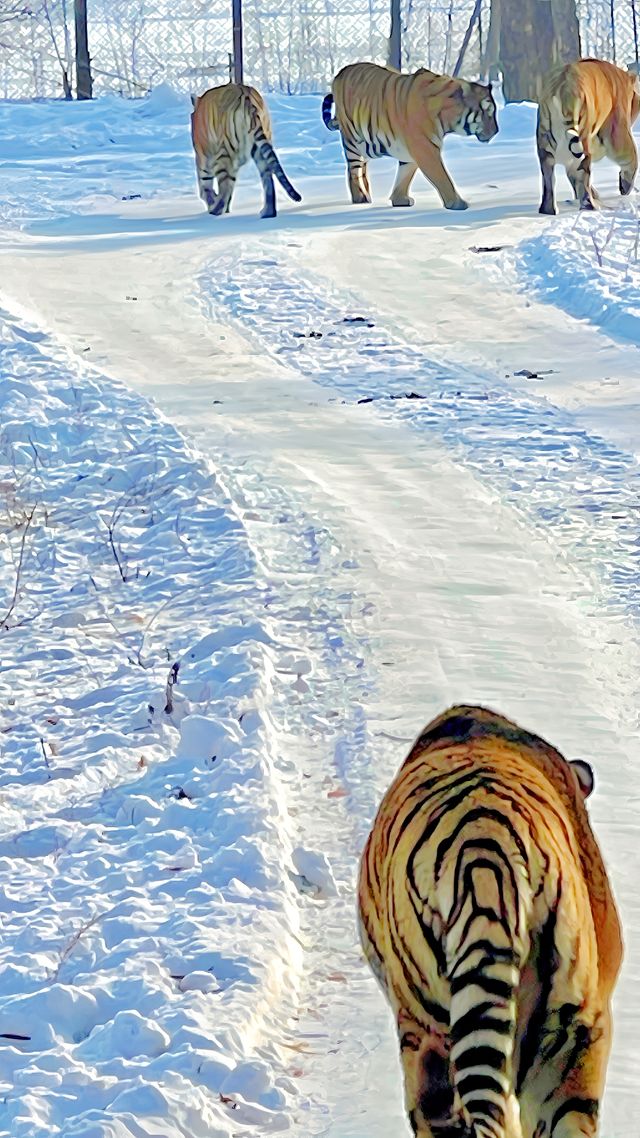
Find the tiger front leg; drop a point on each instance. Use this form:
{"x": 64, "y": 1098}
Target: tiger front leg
{"x": 428, "y": 159}
{"x": 404, "y": 177}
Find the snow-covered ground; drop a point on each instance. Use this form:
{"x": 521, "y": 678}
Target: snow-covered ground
{"x": 273, "y": 494}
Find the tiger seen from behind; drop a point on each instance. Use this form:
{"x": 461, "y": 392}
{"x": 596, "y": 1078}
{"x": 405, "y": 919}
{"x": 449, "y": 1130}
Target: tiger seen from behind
{"x": 586, "y": 111}
{"x": 230, "y": 125}
{"x": 381, "y": 112}
{"x": 488, "y": 919}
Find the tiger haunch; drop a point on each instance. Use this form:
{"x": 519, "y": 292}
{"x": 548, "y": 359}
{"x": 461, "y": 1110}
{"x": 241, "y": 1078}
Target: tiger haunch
{"x": 380, "y": 112}
{"x": 229, "y": 125}
{"x": 487, "y": 917}
{"x": 586, "y": 111}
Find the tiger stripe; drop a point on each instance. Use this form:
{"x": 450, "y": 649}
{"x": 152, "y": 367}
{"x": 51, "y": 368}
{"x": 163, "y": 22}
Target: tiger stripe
{"x": 487, "y": 917}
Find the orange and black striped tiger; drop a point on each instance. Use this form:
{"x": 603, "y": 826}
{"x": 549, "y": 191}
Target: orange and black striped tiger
{"x": 380, "y": 112}
{"x": 230, "y": 125}
{"x": 586, "y": 111}
{"x": 487, "y": 916}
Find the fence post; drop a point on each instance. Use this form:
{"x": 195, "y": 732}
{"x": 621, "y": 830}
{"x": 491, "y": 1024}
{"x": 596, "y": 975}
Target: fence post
{"x": 612, "y": 17}
{"x": 394, "y": 58}
{"x": 84, "y": 84}
{"x": 236, "y": 8}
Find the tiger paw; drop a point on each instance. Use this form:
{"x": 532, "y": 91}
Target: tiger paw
{"x": 403, "y": 201}
{"x": 457, "y": 203}
{"x": 626, "y": 186}
{"x": 268, "y": 212}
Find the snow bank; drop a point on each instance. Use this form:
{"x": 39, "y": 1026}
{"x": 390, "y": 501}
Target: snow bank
{"x": 589, "y": 265}
{"x": 148, "y": 917}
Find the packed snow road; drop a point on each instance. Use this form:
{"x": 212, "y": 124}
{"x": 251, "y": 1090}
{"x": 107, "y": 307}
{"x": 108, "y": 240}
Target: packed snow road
{"x": 417, "y": 481}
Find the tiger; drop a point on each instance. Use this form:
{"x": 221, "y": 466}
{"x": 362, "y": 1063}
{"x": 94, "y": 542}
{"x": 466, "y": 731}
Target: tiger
{"x": 586, "y": 111}
{"x": 487, "y": 917}
{"x": 381, "y": 112}
{"x": 229, "y": 125}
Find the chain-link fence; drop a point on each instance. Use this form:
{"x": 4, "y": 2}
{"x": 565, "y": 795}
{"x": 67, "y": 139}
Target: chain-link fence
{"x": 290, "y": 45}
{"x": 611, "y": 30}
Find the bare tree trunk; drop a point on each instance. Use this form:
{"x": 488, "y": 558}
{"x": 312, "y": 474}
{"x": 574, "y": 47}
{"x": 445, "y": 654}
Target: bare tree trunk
{"x": 491, "y": 61}
{"x": 84, "y": 83}
{"x": 552, "y": 25}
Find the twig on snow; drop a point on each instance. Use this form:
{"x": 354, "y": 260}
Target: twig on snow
{"x": 16, "y": 588}
{"x": 171, "y": 681}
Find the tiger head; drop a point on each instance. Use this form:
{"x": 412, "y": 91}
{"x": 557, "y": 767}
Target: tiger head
{"x": 478, "y": 114}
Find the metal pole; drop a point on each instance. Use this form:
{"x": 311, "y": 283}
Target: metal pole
{"x": 236, "y": 8}
{"x": 612, "y": 17}
{"x": 84, "y": 85}
{"x": 394, "y": 59}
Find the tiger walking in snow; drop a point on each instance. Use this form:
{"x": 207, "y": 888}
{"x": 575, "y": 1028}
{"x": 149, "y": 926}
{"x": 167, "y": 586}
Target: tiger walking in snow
{"x": 487, "y": 917}
{"x": 230, "y": 125}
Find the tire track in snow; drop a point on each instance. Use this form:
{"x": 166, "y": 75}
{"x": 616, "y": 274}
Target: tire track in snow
{"x": 577, "y": 488}
{"x": 325, "y": 747}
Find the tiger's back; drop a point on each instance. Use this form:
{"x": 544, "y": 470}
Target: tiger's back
{"x": 487, "y": 916}
{"x": 229, "y": 125}
{"x": 586, "y": 112}
{"x": 375, "y": 104}
{"x": 226, "y": 118}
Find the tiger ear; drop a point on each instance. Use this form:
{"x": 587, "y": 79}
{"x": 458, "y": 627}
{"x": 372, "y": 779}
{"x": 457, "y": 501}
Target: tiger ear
{"x": 194, "y": 101}
{"x": 585, "y": 776}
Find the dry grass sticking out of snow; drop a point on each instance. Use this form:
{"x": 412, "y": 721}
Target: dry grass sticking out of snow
{"x": 148, "y": 918}
{"x": 589, "y": 265}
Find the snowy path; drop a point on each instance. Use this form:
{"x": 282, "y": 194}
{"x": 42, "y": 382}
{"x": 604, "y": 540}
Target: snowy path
{"x": 475, "y": 543}
{"x": 448, "y": 591}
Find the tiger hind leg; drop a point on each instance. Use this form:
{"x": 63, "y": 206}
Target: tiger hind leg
{"x": 428, "y": 1090}
{"x": 622, "y": 150}
{"x": 269, "y": 207}
{"x": 579, "y": 169}
{"x": 356, "y": 173}
{"x": 562, "y": 1099}
{"x": 404, "y": 177}
{"x": 266, "y": 177}
{"x": 547, "y": 159}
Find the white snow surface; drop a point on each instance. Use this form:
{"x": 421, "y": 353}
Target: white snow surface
{"x": 274, "y": 494}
